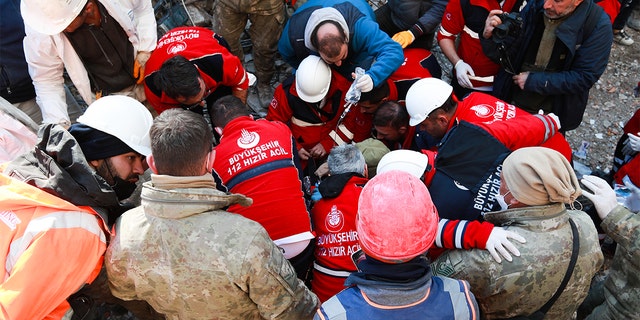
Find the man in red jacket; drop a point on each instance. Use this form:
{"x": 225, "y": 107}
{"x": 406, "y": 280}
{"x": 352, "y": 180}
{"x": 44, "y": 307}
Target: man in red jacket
{"x": 256, "y": 158}
{"x": 311, "y": 103}
{"x": 334, "y": 220}
{"x": 434, "y": 108}
{"x": 191, "y": 68}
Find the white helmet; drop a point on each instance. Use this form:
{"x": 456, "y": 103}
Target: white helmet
{"x": 313, "y": 79}
{"x": 409, "y": 161}
{"x": 424, "y": 96}
{"x": 50, "y": 16}
{"x": 122, "y": 117}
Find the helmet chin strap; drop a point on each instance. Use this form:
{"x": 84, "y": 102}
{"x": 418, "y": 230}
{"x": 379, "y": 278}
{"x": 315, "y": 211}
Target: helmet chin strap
{"x": 113, "y": 178}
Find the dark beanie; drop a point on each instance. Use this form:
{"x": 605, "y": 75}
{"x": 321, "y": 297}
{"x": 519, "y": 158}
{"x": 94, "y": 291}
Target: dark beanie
{"x": 96, "y": 144}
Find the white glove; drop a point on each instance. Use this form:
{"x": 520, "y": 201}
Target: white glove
{"x": 463, "y": 70}
{"x": 603, "y": 196}
{"x": 631, "y": 145}
{"x": 498, "y": 242}
{"x": 555, "y": 119}
{"x": 365, "y": 83}
{"x": 632, "y": 202}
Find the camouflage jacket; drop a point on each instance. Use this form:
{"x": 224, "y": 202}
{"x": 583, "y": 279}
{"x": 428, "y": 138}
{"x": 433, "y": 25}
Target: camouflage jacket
{"x": 191, "y": 260}
{"x": 524, "y": 285}
{"x": 622, "y": 286}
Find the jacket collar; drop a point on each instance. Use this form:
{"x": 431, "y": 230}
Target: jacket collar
{"x": 186, "y": 197}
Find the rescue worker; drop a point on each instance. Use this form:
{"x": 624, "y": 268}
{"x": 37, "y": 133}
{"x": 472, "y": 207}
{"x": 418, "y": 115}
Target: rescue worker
{"x": 394, "y": 279}
{"x": 83, "y": 174}
{"x": 474, "y": 142}
{"x": 435, "y": 108}
{"x": 463, "y": 21}
{"x": 345, "y": 35}
{"x": 257, "y": 158}
{"x": 452, "y": 233}
{"x": 562, "y": 254}
{"x": 334, "y": 220}
{"x": 191, "y": 69}
{"x": 103, "y": 45}
{"x": 311, "y": 103}
{"x": 184, "y": 254}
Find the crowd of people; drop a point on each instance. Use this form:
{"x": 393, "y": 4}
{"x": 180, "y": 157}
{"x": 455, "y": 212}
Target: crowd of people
{"x": 371, "y": 188}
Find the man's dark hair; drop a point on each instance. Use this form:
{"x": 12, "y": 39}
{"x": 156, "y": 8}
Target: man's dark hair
{"x": 331, "y": 44}
{"x": 226, "y": 109}
{"x": 180, "y": 141}
{"x": 377, "y": 94}
{"x": 391, "y": 114}
{"x": 448, "y": 106}
{"x": 178, "y": 77}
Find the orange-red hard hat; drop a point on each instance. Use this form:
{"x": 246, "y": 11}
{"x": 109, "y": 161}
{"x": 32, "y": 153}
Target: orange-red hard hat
{"x": 397, "y": 220}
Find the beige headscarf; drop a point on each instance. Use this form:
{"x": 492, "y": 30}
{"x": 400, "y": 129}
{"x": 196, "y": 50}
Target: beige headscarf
{"x": 539, "y": 176}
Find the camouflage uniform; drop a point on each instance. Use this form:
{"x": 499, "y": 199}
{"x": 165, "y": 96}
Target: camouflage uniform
{"x": 267, "y": 20}
{"x": 523, "y": 286}
{"x": 191, "y": 260}
{"x": 622, "y": 286}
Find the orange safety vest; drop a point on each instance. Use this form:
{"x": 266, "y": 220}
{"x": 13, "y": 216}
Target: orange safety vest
{"x": 49, "y": 248}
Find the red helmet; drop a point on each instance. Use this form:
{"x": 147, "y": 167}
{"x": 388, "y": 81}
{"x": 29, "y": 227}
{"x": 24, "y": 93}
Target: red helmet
{"x": 397, "y": 220}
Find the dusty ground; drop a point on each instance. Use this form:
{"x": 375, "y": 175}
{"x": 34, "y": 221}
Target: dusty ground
{"x": 611, "y": 104}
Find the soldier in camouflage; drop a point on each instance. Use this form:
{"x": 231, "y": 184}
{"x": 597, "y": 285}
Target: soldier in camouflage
{"x": 619, "y": 296}
{"x": 536, "y": 184}
{"x": 184, "y": 254}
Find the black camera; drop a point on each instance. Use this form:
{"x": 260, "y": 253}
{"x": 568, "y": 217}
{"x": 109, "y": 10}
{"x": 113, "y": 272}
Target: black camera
{"x": 510, "y": 26}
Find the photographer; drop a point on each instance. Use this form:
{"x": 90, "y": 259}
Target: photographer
{"x": 462, "y": 22}
{"x": 560, "y": 50}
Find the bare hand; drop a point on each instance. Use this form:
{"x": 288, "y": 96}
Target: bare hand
{"x": 492, "y": 21}
{"x": 318, "y": 151}
{"x": 520, "y": 79}
{"x": 304, "y": 154}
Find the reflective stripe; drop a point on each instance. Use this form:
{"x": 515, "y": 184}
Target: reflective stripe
{"x": 254, "y": 172}
{"x": 331, "y": 272}
{"x": 548, "y": 126}
{"x": 445, "y": 32}
{"x": 471, "y": 33}
{"x": 338, "y": 139}
{"x": 460, "y": 228}
{"x": 441, "y": 225}
{"x": 54, "y": 220}
{"x": 334, "y": 309}
{"x": 459, "y": 295}
{"x": 301, "y": 123}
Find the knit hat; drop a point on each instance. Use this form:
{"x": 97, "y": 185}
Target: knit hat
{"x": 540, "y": 176}
{"x": 372, "y": 150}
{"x": 96, "y": 144}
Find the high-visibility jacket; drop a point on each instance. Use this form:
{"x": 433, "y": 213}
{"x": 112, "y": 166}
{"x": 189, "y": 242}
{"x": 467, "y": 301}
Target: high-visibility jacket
{"x": 49, "y": 249}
